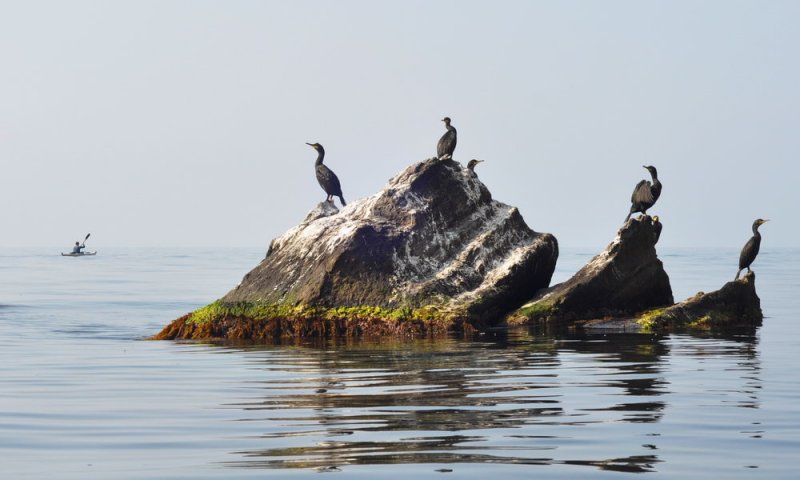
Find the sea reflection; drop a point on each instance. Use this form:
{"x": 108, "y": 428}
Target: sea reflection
{"x": 506, "y": 397}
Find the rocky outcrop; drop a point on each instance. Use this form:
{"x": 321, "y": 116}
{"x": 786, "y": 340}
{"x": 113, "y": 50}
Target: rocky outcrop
{"x": 624, "y": 279}
{"x": 625, "y": 289}
{"x": 735, "y": 305}
{"x": 431, "y": 248}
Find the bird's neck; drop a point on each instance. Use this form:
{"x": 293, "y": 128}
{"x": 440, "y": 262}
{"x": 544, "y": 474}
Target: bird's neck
{"x": 450, "y": 128}
{"x": 755, "y": 231}
{"x": 320, "y": 157}
{"x": 654, "y": 176}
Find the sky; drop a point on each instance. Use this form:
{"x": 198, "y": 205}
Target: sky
{"x": 184, "y": 123}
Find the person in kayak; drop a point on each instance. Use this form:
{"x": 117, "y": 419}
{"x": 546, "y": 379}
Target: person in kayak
{"x": 77, "y": 248}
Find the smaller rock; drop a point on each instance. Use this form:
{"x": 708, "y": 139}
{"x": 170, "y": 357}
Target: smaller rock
{"x": 624, "y": 279}
{"x": 733, "y": 307}
{"x": 736, "y": 304}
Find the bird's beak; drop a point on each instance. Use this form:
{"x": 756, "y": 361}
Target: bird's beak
{"x": 765, "y": 221}
{"x": 644, "y": 166}
{"x": 310, "y": 144}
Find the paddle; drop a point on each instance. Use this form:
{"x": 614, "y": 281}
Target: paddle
{"x": 87, "y": 238}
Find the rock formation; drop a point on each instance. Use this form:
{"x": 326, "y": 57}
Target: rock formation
{"x": 624, "y": 279}
{"x": 735, "y": 305}
{"x": 431, "y": 248}
{"x": 433, "y": 252}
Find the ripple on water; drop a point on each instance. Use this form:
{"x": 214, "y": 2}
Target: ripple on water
{"x": 84, "y": 397}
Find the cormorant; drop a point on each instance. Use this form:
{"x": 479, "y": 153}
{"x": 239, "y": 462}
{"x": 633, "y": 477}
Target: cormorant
{"x": 447, "y": 144}
{"x": 472, "y": 164}
{"x": 750, "y": 249}
{"x": 645, "y": 194}
{"x": 657, "y": 227}
{"x": 325, "y": 176}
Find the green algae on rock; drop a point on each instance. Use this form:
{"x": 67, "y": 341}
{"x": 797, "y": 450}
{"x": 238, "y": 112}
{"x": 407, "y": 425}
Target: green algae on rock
{"x": 263, "y": 322}
{"x": 432, "y": 251}
{"x": 736, "y": 304}
{"x": 733, "y": 307}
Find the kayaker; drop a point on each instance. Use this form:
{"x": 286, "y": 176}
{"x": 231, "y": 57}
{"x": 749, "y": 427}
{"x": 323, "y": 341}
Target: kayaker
{"x": 77, "y": 248}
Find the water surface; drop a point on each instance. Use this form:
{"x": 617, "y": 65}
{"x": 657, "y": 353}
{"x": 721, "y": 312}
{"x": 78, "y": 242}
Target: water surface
{"x": 83, "y": 396}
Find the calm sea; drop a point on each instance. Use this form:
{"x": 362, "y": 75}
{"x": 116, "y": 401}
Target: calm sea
{"x": 82, "y": 395}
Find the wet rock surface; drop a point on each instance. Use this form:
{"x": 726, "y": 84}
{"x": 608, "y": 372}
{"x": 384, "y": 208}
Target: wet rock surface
{"x": 627, "y": 277}
{"x": 432, "y": 244}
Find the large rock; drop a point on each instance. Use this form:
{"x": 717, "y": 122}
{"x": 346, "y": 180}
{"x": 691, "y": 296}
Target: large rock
{"x": 626, "y": 278}
{"x": 431, "y": 246}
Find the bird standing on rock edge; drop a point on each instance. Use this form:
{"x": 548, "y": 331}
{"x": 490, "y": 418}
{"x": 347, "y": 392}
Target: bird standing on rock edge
{"x": 472, "y": 164}
{"x": 645, "y": 194}
{"x": 447, "y": 144}
{"x": 750, "y": 249}
{"x": 325, "y": 176}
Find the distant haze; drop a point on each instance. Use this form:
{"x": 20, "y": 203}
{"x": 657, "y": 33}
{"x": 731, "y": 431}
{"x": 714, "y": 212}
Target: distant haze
{"x": 183, "y": 123}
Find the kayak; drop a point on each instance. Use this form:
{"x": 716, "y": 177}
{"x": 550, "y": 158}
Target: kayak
{"x": 87, "y": 254}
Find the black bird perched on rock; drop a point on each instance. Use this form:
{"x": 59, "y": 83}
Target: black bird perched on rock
{"x": 645, "y": 194}
{"x": 325, "y": 176}
{"x": 750, "y": 249}
{"x": 657, "y": 227}
{"x": 447, "y": 144}
{"x": 472, "y": 164}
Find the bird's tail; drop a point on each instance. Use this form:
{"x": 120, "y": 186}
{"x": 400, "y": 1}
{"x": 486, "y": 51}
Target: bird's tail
{"x": 341, "y": 199}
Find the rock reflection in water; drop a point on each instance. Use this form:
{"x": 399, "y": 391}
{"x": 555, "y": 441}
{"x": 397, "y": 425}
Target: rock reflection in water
{"x": 511, "y": 398}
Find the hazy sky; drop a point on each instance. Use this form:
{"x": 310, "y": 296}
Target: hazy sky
{"x": 184, "y": 122}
